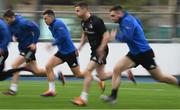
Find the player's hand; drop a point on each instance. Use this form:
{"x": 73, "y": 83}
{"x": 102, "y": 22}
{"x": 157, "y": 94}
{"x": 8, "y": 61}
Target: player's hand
{"x": 100, "y": 52}
{"x": 32, "y": 47}
{"x": 77, "y": 52}
{"x": 113, "y": 33}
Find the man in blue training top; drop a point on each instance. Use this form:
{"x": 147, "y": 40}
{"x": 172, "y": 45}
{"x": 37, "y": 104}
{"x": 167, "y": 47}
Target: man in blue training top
{"x": 67, "y": 52}
{"x": 140, "y": 52}
{"x": 26, "y": 33}
{"x": 5, "y": 38}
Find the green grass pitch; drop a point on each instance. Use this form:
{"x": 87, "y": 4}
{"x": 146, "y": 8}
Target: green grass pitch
{"x": 140, "y": 96}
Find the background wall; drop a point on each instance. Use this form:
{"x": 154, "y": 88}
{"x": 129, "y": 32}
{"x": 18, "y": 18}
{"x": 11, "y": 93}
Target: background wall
{"x": 167, "y": 57}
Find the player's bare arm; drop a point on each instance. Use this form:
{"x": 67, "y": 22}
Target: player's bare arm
{"x": 82, "y": 41}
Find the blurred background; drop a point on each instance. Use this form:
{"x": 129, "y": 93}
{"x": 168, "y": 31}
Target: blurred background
{"x": 161, "y": 24}
{"x": 160, "y": 18}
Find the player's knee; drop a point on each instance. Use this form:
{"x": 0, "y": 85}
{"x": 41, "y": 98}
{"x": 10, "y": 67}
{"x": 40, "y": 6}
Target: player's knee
{"x": 87, "y": 73}
{"x": 117, "y": 70}
{"x": 48, "y": 67}
{"x": 78, "y": 75}
{"x": 101, "y": 76}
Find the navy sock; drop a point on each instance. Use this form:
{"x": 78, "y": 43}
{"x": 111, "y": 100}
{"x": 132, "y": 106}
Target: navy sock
{"x": 114, "y": 93}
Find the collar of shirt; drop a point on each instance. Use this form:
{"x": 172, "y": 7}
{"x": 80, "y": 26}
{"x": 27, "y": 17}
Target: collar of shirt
{"x": 52, "y": 22}
{"x": 125, "y": 14}
{"x": 87, "y": 20}
{"x": 17, "y": 18}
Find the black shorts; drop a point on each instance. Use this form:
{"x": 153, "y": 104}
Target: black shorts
{"x": 71, "y": 58}
{"x": 95, "y": 57}
{"x": 3, "y": 58}
{"x": 146, "y": 59}
{"x": 28, "y": 54}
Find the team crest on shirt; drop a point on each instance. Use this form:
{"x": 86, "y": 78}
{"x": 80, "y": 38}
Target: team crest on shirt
{"x": 90, "y": 26}
{"x": 94, "y": 58}
{"x": 86, "y": 29}
{"x": 82, "y": 24}
{"x": 128, "y": 27}
{"x": 22, "y": 53}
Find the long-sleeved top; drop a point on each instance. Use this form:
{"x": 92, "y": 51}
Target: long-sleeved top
{"x": 5, "y": 36}
{"x": 132, "y": 34}
{"x": 25, "y": 31}
{"x": 62, "y": 37}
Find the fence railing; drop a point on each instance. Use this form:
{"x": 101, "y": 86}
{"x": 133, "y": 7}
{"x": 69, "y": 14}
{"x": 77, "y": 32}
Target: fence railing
{"x": 157, "y": 32}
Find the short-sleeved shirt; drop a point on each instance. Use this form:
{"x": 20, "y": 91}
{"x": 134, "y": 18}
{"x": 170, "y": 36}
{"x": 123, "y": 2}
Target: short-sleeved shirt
{"x": 94, "y": 28}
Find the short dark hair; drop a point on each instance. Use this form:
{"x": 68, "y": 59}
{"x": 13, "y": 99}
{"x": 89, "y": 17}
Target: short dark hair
{"x": 116, "y": 8}
{"x": 49, "y": 12}
{"x": 9, "y": 13}
{"x": 81, "y": 4}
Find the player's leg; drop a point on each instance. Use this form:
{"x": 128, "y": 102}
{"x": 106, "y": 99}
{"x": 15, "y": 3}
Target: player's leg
{"x": 26, "y": 55}
{"x": 88, "y": 77}
{"x": 3, "y": 58}
{"x": 37, "y": 71}
{"x": 76, "y": 71}
{"x": 82, "y": 100}
{"x": 108, "y": 75}
{"x": 1, "y": 66}
{"x": 100, "y": 69}
{"x": 73, "y": 63}
{"x": 163, "y": 77}
{"x": 101, "y": 64}
{"x": 131, "y": 76}
{"x": 149, "y": 64}
{"x": 103, "y": 75}
{"x": 75, "y": 68}
{"x": 9, "y": 73}
{"x": 122, "y": 65}
{"x": 31, "y": 62}
{"x": 54, "y": 61}
{"x": 14, "y": 87}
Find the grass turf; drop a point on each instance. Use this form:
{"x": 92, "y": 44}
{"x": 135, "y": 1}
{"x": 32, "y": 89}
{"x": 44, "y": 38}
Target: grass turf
{"x": 141, "y": 96}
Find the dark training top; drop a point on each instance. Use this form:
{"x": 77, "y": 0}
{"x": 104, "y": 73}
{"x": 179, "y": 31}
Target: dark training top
{"x": 94, "y": 28}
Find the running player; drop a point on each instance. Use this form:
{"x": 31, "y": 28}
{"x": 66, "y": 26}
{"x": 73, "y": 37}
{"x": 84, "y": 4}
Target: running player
{"x": 26, "y": 34}
{"x": 5, "y": 38}
{"x": 140, "y": 52}
{"x": 96, "y": 33}
{"x": 67, "y": 52}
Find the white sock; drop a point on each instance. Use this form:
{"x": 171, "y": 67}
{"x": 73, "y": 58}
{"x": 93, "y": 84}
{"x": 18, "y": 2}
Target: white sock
{"x": 52, "y": 86}
{"x": 84, "y": 96}
{"x": 14, "y": 87}
{"x": 95, "y": 78}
